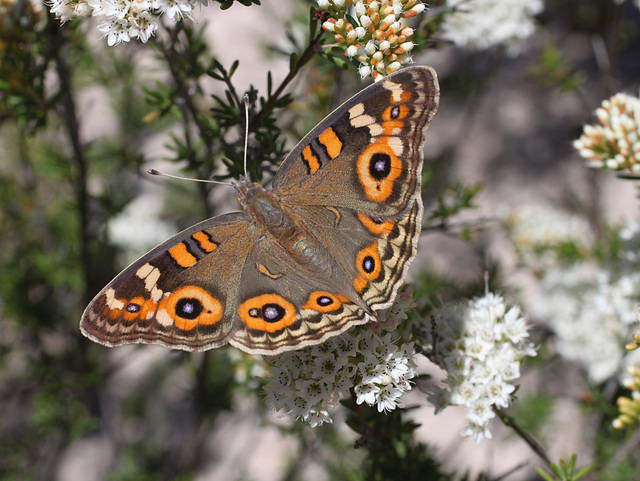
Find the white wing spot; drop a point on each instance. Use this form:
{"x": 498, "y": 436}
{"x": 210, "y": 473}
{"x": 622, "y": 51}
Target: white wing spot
{"x": 144, "y": 271}
{"x": 156, "y": 294}
{"x": 396, "y": 145}
{"x": 164, "y": 318}
{"x": 356, "y": 110}
{"x": 396, "y": 90}
{"x": 112, "y": 302}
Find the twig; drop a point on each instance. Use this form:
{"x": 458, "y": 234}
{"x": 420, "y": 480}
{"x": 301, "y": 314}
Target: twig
{"x": 187, "y": 106}
{"x": 302, "y": 60}
{"x": 448, "y": 226}
{"x": 72, "y": 126}
{"x": 510, "y": 422}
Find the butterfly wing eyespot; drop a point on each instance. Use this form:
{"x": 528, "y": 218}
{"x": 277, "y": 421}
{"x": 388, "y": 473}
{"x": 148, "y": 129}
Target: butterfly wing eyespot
{"x": 378, "y": 168}
{"x": 189, "y": 307}
{"x": 323, "y": 301}
{"x": 172, "y": 296}
{"x": 368, "y": 265}
{"x": 267, "y": 312}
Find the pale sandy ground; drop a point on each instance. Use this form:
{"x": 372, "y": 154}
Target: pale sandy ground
{"x": 518, "y": 144}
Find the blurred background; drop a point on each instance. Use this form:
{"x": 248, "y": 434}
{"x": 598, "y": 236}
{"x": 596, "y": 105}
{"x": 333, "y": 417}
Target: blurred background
{"x": 82, "y": 121}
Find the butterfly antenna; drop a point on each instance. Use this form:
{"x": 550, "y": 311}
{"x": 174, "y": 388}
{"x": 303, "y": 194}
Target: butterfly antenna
{"x": 246, "y": 132}
{"x": 206, "y": 181}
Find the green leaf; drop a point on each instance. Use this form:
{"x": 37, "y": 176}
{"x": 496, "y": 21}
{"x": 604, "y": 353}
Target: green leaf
{"x": 293, "y": 61}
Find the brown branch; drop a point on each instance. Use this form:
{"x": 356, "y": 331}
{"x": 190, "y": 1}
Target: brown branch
{"x": 527, "y": 438}
{"x": 302, "y": 60}
{"x": 187, "y": 106}
{"x": 72, "y": 125}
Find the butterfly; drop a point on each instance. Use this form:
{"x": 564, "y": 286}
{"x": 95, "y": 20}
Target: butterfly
{"x": 317, "y": 252}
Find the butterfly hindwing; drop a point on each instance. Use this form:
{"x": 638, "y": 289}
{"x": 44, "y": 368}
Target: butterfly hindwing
{"x": 181, "y": 294}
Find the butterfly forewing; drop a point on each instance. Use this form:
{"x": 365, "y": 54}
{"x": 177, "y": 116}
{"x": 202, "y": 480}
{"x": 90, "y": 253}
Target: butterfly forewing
{"x": 366, "y": 155}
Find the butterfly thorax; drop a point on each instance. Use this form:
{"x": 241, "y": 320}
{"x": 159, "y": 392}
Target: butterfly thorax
{"x": 260, "y": 205}
{"x": 268, "y": 215}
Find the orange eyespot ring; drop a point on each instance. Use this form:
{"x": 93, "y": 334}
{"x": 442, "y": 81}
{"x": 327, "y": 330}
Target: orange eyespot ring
{"x": 267, "y": 312}
{"x": 376, "y": 227}
{"x": 190, "y": 306}
{"x": 395, "y": 112}
{"x": 378, "y": 167}
{"x": 322, "y": 301}
{"x": 369, "y": 266}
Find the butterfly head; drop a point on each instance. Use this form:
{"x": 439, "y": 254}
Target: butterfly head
{"x": 260, "y": 204}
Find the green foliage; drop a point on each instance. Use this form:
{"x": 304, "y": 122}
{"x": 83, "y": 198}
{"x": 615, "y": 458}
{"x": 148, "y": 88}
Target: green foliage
{"x": 392, "y": 453}
{"x": 555, "y": 70}
{"x": 455, "y": 198}
{"x": 564, "y": 471}
{"x": 225, "y": 4}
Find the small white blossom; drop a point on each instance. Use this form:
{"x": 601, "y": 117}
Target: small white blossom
{"x": 480, "y": 360}
{"x": 308, "y": 382}
{"x": 116, "y": 31}
{"x": 364, "y": 71}
{"x": 480, "y": 24}
{"x": 122, "y": 20}
{"x": 591, "y": 311}
{"x": 144, "y": 27}
{"x": 540, "y": 232}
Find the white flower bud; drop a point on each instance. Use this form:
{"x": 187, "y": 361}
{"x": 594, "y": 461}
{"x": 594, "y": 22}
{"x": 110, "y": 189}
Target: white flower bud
{"x": 364, "y": 71}
{"x": 407, "y": 46}
{"x": 407, "y": 31}
{"x": 393, "y": 67}
{"x": 329, "y": 26}
{"x": 365, "y": 21}
{"x": 419, "y": 8}
{"x": 370, "y": 48}
{"x": 389, "y": 19}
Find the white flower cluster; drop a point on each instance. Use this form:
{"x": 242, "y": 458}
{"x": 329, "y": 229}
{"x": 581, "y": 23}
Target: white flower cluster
{"x": 539, "y": 233}
{"x": 309, "y": 382}
{"x": 377, "y": 38}
{"x": 591, "y": 312}
{"x": 615, "y": 143}
{"x": 480, "y": 24}
{"x": 480, "y": 346}
{"x": 124, "y": 19}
